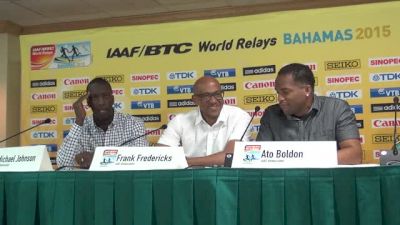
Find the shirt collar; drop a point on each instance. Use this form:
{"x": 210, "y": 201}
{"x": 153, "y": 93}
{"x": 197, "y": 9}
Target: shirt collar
{"x": 113, "y": 123}
{"x": 315, "y": 107}
{"x": 222, "y": 118}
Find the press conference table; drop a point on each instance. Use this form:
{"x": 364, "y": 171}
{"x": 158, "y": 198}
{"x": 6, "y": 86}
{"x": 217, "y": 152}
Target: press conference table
{"x": 220, "y": 196}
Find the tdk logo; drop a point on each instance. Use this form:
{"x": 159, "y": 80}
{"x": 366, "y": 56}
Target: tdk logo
{"x": 348, "y": 94}
{"x": 220, "y": 73}
{"x": 382, "y": 77}
{"x": 183, "y": 75}
{"x": 44, "y": 134}
{"x": 146, "y": 91}
{"x": 384, "y": 92}
{"x": 228, "y": 86}
{"x": 146, "y": 104}
{"x": 182, "y": 89}
{"x": 356, "y": 109}
{"x": 118, "y": 106}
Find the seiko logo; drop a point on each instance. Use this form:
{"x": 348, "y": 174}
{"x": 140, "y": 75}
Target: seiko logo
{"x": 113, "y": 78}
{"x": 76, "y": 81}
{"x": 343, "y": 79}
{"x": 228, "y": 86}
{"x": 44, "y": 109}
{"x": 146, "y": 91}
{"x": 150, "y": 117}
{"x": 220, "y": 73}
{"x": 73, "y": 94}
{"x": 181, "y": 89}
{"x": 343, "y": 64}
{"x": 68, "y": 120}
{"x": 384, "y": 123}
{"x": 146, "y": 104}
{"x": 184, "y": 75}
{"x": 145, "y": 77}
{"x": 260, "y": 84}
{"x": 230, "y": 101}
{"x": 382, "y": 77}
{"x": 384, "y": 92}
{"x": 255, "y": 99}
{"x": 180, "y": 103}
{"x": 43, "y": 83}
{"x": 345, "y": 94}
{"x": 258, "y": 70}
{"x": 384, "y": 61}
{"x": 118, "y": 91}
{"x": 44, "y": 96}
{"x": 44, "y": 134}
{"x": 382, "y": 138}
{"x": 37, "y": 121}
{"x": 384, "y": 107}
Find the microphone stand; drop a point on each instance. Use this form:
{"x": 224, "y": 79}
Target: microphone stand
{"x": 48, "y": 120}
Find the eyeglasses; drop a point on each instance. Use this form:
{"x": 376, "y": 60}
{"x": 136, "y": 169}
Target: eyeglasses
{"x": 219, "y": 95}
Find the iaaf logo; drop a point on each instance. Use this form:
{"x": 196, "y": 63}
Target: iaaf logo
{"x": 144, "y": 77}
{"x": 146, "y": 91}
{"x": 76, "y": 81}
{"x": 70, "y": 108}
{"x": 357, "y": 109}
{"x": 68, "y": 120}
{"x": 384, "y": 107}
{"x": 344, "y": 79}
{"x": 37, "y": 121}
{"x": 384, "y": 92}
{"x": 118, "y": 106}
{"x": 345, "y": 94}
{"x": 258, "y": 114}
{"x": 44, "y": 96}
{"x": 230, "y": 101}
{"x": 181, "y": 89}
{"x": 384, "y": 61}
{"x": 220, "y": 73}
{"x": 259, "y": 84}
{"x": 154, "y": 132}
{"x": 44, "y": 134}
{"x": 146, "y": 104}
{"x": 118, "y": 91}
{"x": 182, "y": 75}
{"x": 384, "y": 123}
{"x": 382, "y": 77}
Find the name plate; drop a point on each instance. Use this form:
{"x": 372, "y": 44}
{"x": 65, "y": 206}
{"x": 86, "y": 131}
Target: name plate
{"x": 285, "y": 154}
{"x": 138, "y": 158}
{"x": 26, "y": 158}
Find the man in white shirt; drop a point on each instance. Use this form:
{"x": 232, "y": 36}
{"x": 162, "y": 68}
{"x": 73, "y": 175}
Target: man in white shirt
{"x": 208, "y": 132}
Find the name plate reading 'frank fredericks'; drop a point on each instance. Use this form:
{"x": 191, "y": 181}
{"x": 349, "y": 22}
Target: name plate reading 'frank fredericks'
{"x": 285, "y": 154}
{"x": 26, "y": 158}
{"x": 138, "y": 158}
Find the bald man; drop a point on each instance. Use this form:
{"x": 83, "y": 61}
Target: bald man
{"x": 208, "y": 132}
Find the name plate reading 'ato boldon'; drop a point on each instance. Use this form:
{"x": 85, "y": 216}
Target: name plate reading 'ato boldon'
{"x": 285, "y": 154}
{"x": 26, "y": 158}
{"x": 138, "y": 158}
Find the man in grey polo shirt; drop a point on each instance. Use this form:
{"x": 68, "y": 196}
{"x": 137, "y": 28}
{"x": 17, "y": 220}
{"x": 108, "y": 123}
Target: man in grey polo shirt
{"x": 303, "y": 116}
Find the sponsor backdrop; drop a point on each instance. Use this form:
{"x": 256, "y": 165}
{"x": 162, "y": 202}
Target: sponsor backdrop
{"x": 353, "y": 51}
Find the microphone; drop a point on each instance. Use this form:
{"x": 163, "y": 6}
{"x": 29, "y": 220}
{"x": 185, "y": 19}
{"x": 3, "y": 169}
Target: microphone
{"x": 388, "y": 158}
{"x": 394, "y": 148}
{"x": 163, "y": 127}
{"x": 256, "y": 109}
{"x": 48, "y": 120}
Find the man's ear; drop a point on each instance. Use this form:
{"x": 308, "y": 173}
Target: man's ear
{"x": 195, "y": 99}
{"x": 308, "y": 90}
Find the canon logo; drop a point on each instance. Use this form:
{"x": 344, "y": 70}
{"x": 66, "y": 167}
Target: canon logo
{"x": 153, "y": 133}
{"x": 145, "y": 77}
{"x": 76, "y": 81}
{"x": 384, "y": 123}
{"x": 44, "y": 96}
{"x": 230, "y": 100}
{"x": 348, "y": 79}
{"x": 259, "y": 84}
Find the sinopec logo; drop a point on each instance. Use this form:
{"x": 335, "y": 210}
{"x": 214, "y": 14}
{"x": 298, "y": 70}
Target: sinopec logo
{"x": 76, "y": 81}
{"x": 43, "y": 83}
{"x": 182, "y": 75}
{"x": 181, "y": 89}
{"x": 384, "y": 61}
{"x": 230, "y": 101}
{"x": 37, "y": 121}
{"x": 68, "y": 120}
{"x": 44, "y": 96}
{"x": 382, "y": 138}
{"x": 220, "y": 73}
{"x": 247, "y": 71}
{"x": 44, "y": 134}
{"x": 356, "y": 109}
{"x": 43, "y": 108}
{"x": 155, "y": 104}
{"x": 343, "y": 79}
{"x": 345, "y": 94}
{"x": 113, "y": 78}
{"x": 256, "y": 99}
{"x": 177, "y": 103}
{"x": 259, "y": 84}
{"x": 228, "y": 86}
{"x": 70, "y": 108}
{"x": 384, "y": 107}
{"x": 73, "y": 94}
{"x": 384, "y": 123}
{"x": 384, "y": 92}
{"x": 384, "y": 77}
{"x": 150, "y": 117}
{"x": 118, "y": 91}
{"x": 343, "y": 64}
{"x": 144, "y": 77}
{"x": 146, "y": 91}
{"x": 258, "y": 114}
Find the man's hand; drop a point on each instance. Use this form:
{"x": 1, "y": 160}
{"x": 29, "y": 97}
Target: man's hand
{"x": 80, "y": 112}
{"x": 84, "y": 159}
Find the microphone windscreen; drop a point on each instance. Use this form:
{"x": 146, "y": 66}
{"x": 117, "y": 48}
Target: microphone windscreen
{"x": 396, "y": 100}
{"x": 257, "y": 109}
{"x": 48, "y": 120}
{"x": 164, "y": 126}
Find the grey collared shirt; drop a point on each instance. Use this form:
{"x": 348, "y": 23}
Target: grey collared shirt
{"x": 330, "y": 119}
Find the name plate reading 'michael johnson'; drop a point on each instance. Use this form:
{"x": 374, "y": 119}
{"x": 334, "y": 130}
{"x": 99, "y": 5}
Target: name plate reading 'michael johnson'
{"x": 138, "y": 158}
{"x": 285, "y": 154}
{"x": 26, "y": 158}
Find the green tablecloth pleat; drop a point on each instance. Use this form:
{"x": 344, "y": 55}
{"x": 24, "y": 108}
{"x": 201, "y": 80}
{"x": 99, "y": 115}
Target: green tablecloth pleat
{"x": 124, "y": 198}
{"x": 143, "y": 198}
{"x": 85, "y": 203}
{"x": 204, "y": 191}
{"x": 390, "y": 195}
{"x": 250, "y": 197}
{"x": 182, "y": 198}
{"x": 103, "y": 198}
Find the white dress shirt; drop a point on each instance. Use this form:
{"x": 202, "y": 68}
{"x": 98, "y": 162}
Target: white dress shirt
{"x": 198, "y": 138}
